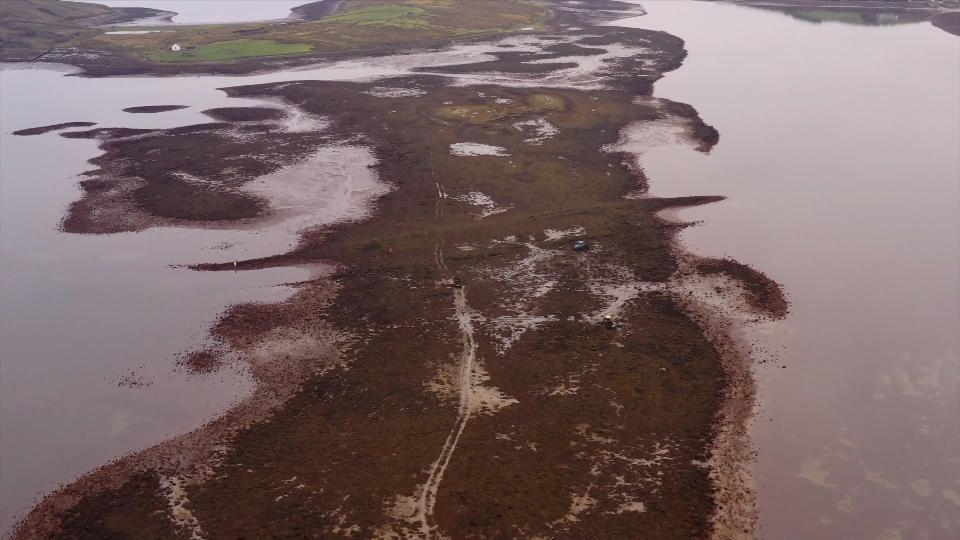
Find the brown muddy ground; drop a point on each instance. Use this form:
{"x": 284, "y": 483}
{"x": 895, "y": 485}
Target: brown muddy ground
{"x": 150, "y": 109}
{"x": 244, "y": 114}
{"x": 948, "y": 22}
{"x": 418, "y": 409}
{"x": 40, "y": 130}
{"x": 762, "y": 294}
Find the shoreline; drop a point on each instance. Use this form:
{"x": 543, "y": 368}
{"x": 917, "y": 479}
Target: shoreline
{"x": 820, "y": 372}
{"x": 113, "y": 61}
{"x": 323, "y": 245}
{"x": 190, "y": 457}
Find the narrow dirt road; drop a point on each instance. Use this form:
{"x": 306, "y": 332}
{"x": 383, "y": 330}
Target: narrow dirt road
{"x": 428, "y": 495}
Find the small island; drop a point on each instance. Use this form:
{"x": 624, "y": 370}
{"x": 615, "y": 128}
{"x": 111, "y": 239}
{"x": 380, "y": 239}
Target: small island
{"x": 151, "y": 109}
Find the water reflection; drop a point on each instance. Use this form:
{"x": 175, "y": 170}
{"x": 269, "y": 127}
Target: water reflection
{"x": 212, "y": 11}
{"x": 864, "y": 17}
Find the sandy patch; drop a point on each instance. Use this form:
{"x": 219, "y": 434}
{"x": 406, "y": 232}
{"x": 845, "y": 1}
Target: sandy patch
{"x": 482, "y": 201}
{"x": 467, "y": 149}
{"x": 539, "y": 129}
{"x": 559, "y": 234}
{"x": 394, "y": 92}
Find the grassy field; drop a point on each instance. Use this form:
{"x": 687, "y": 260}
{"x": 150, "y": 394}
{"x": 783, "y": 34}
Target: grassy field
{"x": 399, "y": 16}
{"x": 230, "y": 50}
{"x": 361, "y": 24}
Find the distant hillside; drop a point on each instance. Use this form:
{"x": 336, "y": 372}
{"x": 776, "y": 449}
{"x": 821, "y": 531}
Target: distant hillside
{"x": 73, "y": 33}
{"x": 28, "y": 28}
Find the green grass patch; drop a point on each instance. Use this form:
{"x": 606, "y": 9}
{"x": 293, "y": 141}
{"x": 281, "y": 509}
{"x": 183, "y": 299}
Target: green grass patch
{"x": 546, "y": 102}
{"x": 229, "y": 50}
{"x": 383, "y": 15}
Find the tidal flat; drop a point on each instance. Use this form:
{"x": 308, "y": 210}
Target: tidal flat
{"x": 435, "y": 362}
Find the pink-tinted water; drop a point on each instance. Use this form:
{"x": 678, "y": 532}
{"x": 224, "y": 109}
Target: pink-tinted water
{"x": 212, "y": 11}
{"x": 840, "y": 155}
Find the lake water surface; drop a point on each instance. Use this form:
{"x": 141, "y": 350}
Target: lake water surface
{"x": 213, "y": 11}
{"x": 90, "y": 326}
{"x": 840, "y": 156}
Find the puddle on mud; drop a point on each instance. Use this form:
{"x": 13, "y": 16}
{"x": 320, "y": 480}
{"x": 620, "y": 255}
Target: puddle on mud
{"x": 838, "y": 155}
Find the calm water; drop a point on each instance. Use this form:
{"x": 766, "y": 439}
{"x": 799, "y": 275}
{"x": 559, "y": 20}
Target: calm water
{"x": 840, "y": 155}
{"x": 79, "y": 313}
{"x": 214, "y": 11}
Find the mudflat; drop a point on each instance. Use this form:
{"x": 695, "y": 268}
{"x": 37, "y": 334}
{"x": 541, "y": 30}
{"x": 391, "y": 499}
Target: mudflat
{"x": 452, "y": 374}
{"x": 40, "y": 130}
{"x": 150, "y": 109}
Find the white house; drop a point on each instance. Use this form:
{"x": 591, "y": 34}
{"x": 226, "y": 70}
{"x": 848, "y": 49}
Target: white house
{"x": 175, "y": 47}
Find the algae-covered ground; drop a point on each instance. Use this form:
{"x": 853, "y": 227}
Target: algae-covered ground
{"x": 451, "y": 375}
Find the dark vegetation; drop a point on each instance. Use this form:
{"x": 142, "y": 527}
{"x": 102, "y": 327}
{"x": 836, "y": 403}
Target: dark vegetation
{"x": 55, "y": 127}
{"x": 244, "y": 114}
{"x": 150, "y": 109}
